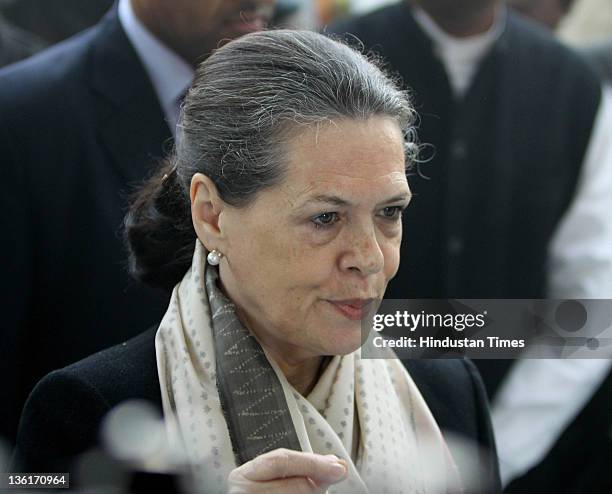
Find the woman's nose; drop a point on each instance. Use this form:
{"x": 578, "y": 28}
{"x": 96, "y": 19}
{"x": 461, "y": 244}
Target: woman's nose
{"x": 363, "y": 253}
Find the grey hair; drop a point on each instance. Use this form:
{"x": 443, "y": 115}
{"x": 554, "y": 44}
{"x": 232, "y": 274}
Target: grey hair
{"x": 247, "y": 99}
{"x": 250, "y": 94}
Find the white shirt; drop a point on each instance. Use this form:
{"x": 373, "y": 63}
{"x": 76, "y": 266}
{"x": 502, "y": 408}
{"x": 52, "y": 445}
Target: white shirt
{"x": 170, "y": 74}
{"x": 539, "y": 398}
{"x": 460, "y": 56}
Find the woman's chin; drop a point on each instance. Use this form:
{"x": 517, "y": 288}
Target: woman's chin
{"x": 341, "y": 341}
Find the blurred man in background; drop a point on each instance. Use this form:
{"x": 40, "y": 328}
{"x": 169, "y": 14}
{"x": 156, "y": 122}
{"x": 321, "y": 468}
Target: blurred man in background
{"x": 550, "y": 12}
{"x": 514, "y": 202}
{"x": 80, "y": 124}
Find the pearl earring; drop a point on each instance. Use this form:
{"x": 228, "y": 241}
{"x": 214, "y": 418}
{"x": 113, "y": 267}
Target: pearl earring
{"x": 214, "y": 257}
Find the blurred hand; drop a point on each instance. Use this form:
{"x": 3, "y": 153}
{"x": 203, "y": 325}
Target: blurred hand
{"x": 284, "y": 471}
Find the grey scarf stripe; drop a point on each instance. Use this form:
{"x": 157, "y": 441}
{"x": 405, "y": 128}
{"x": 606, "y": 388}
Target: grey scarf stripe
{"x": 251, "y": 395}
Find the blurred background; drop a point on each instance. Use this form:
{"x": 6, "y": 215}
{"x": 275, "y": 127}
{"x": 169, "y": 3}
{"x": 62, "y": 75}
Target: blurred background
{"x": 29, "y": 26}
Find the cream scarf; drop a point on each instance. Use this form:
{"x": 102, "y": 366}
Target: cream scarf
{"x": 368, "y": 412}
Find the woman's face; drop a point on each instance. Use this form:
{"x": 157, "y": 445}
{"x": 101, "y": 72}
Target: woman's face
{"x": 310, "y": 256}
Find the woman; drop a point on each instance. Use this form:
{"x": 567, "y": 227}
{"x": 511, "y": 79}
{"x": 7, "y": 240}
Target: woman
{"x": 277, "y": 222}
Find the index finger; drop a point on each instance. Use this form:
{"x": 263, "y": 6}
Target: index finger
{"x": 282, "y": 463}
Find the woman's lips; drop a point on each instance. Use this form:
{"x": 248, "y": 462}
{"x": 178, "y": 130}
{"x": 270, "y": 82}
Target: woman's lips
{"x": 353, "y": 309}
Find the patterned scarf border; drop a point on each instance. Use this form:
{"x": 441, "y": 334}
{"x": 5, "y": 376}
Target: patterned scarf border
{"x": 251, "y": 394}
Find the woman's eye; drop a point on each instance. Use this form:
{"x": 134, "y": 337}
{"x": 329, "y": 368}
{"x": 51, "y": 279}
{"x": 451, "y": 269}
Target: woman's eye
{"x": 325, "y": 219}
{"x": 392, "y": 212}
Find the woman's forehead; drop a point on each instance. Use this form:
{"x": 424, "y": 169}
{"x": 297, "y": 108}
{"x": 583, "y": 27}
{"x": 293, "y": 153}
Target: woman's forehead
{"x": 345, "y": 188}
{"x": 339, "y": 150}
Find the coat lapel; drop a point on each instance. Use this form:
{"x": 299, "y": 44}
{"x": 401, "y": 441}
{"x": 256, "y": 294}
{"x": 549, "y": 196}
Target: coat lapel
{"x": 130, "y": 120}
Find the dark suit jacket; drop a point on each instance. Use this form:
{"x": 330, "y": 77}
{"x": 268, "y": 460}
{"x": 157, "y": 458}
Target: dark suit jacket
{"x": 62, "y": 415}
{"x": 80, "y": 125}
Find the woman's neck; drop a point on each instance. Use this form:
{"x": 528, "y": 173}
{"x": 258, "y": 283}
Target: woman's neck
{"x": 302, "y": 375}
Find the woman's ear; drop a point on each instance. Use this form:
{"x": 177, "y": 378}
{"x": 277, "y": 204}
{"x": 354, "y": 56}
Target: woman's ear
{"x": 206, "y": 207}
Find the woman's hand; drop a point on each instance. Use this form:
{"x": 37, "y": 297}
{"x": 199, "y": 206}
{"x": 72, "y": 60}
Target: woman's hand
{"x": 285, "y": 471}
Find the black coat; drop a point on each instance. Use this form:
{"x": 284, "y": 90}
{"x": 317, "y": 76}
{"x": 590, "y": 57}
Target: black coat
{"x": 62, "y": 416}
{"x": 80, "y": 126}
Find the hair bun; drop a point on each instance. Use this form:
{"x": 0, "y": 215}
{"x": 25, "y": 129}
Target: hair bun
{"x": 158, "y": 230}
